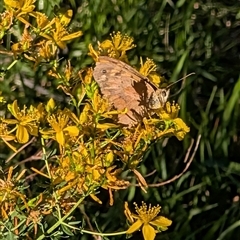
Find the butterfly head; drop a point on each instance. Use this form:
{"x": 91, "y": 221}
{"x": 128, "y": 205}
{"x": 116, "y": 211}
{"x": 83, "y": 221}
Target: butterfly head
{"x": 158, "y": 98}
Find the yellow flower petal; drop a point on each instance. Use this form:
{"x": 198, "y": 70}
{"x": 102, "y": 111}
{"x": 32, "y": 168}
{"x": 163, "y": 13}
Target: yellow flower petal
{"x": 72, "y": 35}
{"x": 13, "y": 108}
{"x": 11, "y": 3}
{"x": 148, "y": 232}
{"x": 60, "y": 138}
{"x": 22, "y": 134}
{"x": 95, "y": 198}
{"x": 134, "y": 227}
{"x": 50, "y": 105}
{"x": 181, "y": 128}
{"x": 106, "y": 44}
{"x": 106, "y": 126}
{"x": 32, "y": 129}
{"x": 181, "y": 124}
{"x": 73, "y": 131}
{"x": 92, "y": 53}
{"x": 66, "y": 17}
{"x": 161, "y": 222}
{"x": 155, "y": 78}
{"x": 10, "y": 121}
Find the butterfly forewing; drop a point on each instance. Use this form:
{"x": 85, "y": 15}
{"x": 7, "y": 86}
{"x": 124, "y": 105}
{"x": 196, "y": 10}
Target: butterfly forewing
{"x": 123, "y": 87}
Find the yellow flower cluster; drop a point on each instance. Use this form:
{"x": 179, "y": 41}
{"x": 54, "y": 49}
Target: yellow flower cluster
{"x": 38, "y": 43}
{"x": 91, "y": 148}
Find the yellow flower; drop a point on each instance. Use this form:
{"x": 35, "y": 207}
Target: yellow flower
{"x": 170, "y": 111}
{"x": 173, "y": 124}
{"x": 47, "y": 50}
{"x": 101, "y": 109}
{"x": 147, "y": 219}
{"x": 2, "y": 99}
{"x": 148, "y": 69}
{"x": 24, "y": 45}
{"x": 60, "y": 35}
{"x": 5, "y": 136}
{"x": 43, "y": 23}
{"x": 21, "y": 6}
{"x": 65, "y": 16}
{"x": 44, "y": 52}
{"x": 116, "y": 47}
{"x": 86, "y": 115}
{"x": 26, "y": 121}
{"x": 50, "y": 107}
{"x": 60, "y": 127}
{"x": 10, "y": 193}
{"x": 94, "y": 54}
{"x": 180, "y": 128}
{"x": 6, "y": 19}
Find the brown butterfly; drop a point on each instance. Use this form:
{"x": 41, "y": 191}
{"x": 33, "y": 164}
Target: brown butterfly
{"x": 124, "y": 87}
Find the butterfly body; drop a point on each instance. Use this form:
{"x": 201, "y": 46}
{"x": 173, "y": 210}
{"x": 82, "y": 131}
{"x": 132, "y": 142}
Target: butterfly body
{"x": 124, "y": 87}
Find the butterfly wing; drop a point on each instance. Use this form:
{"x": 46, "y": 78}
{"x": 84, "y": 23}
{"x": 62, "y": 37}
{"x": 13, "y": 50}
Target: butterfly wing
{"x": 124, "y": 87}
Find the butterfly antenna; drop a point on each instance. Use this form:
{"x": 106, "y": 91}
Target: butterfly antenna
{"x": 190, "y": 74}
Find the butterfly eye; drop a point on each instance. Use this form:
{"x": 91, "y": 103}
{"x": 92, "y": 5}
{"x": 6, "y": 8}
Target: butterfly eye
{"x": 104, "y": 71}
{"x": 164, "y": 94}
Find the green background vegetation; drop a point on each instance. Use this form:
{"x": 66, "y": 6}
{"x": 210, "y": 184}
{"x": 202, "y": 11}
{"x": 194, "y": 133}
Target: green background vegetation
{"x": 181, "y": 37}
